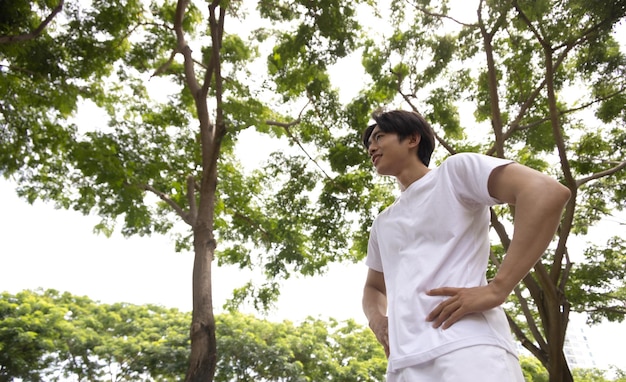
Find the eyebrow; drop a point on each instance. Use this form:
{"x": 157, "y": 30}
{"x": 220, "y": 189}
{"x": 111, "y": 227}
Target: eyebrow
{"x": 369, "y": 139}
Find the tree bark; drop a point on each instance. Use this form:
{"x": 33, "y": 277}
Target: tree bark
{"x": 203, "y": 358}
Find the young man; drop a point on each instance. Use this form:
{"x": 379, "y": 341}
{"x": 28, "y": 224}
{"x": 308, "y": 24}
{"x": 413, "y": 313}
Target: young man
{"x": 426, "y": 296}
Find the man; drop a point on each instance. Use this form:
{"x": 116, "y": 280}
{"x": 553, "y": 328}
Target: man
{"x": 426, "y": 296}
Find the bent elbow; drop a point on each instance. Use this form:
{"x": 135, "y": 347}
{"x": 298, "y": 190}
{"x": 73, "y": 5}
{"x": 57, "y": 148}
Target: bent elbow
{"x": 563, "y": 194}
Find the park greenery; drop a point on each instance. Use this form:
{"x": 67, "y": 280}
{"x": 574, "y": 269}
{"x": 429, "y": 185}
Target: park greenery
{"x": 542, "y": 82}
{"x": 47, "y": 335}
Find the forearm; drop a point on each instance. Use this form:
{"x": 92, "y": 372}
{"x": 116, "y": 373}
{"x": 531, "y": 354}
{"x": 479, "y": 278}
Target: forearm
{"x": 374, "y": 303}
{"x": 375, "y": 308}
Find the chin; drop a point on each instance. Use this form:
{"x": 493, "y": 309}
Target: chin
{"x": 383, "y": 172}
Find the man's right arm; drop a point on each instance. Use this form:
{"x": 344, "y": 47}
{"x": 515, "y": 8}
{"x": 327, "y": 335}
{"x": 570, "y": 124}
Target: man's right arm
{"x": 375, "y": 306}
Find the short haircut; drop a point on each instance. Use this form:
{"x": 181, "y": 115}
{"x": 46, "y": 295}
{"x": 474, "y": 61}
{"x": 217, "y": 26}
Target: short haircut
{"x": 404, "y": 124}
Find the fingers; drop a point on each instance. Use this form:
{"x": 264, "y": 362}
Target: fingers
{"x": 447, "y": 313}
{"x": 385, "y": 342}
{"x": 445, "y": 291}
{"x": 455, "y": 313}
{"x": 381, "y": 331}
{"x": 383, "y": 338}
{"x": 461, "y": 302}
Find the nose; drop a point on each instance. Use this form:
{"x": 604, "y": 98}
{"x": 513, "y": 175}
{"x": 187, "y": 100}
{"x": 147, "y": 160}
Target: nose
{"x": 371, "y": 149}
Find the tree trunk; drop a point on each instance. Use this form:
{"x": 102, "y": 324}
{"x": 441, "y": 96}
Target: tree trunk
{"x": 553, "y": 311}
{"x": 203, "y": 358}
{"x": 557, "y": 364}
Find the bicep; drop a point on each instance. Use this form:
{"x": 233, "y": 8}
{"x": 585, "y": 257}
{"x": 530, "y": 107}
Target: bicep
{"x": 508, "y": 181}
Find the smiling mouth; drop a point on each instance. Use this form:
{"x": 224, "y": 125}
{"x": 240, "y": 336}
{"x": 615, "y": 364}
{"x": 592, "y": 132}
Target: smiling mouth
{"x": 375, "y": 158}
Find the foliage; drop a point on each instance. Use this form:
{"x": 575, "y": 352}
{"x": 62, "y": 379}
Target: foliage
{"x": 45, "y": 335}
{"x": 535, "y": 372}
{"x": 597, "y": 283}
{"x": 595, "y": 375}
{"x": 314, "y": 350}
{"x": 182, "y": 82}
{"x": 178, "y": 88}
{"x": 545, "y": 82}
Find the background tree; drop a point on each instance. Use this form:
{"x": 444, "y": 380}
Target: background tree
{"x": 47, "y": 335}
{"x": 533, "y": 370}
{"x": 158, "y": 161}
{"x": 47, "y": 68}
{"x": 257, "y": 350}
{"x": 180, "y": 87}
{"x": 545, "y": 83}
{"x": 27, "y": 335}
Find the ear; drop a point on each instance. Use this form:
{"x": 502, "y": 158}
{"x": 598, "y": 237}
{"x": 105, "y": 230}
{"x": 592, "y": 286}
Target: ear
{"x": 414, "y": 140}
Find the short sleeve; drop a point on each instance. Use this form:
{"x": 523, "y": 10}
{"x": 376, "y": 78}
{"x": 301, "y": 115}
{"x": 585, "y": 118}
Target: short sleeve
{"x": 373, "y": 259}
{"x": 470, "y": 175}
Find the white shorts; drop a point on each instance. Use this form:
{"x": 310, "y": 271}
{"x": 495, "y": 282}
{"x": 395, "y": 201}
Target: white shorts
{"x": 485, "y": 363}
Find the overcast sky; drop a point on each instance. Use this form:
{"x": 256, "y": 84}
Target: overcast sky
{"x": 42, "y": 247}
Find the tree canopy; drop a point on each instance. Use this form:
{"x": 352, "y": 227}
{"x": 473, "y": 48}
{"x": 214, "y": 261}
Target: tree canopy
{"x": 46, "y": 335}
{"x": 540, "y": 82}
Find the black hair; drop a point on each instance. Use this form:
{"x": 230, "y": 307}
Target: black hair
{"x": 404, "y": 124}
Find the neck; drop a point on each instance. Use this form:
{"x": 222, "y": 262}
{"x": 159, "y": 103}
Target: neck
{"x": 412, "y": 174}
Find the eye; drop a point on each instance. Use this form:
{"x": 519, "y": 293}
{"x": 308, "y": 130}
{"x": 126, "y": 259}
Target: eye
{"x": 378, "y": 136}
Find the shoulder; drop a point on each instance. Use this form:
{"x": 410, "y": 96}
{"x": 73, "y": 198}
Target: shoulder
{"x": 384, "y": 213}
{"x": 469, "y": 174}
{"x": 473, "y": 162}
{"x": 473, "y": 157}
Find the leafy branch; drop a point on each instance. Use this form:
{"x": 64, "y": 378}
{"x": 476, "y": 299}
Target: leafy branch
{"x": 37, "y": 31}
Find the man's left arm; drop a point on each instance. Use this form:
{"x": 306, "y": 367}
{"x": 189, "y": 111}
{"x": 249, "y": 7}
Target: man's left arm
{"x": 539, "y": 202}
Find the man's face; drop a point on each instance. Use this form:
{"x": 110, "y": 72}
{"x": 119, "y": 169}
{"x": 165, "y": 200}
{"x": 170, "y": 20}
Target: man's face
{"x": 389, "y": 155}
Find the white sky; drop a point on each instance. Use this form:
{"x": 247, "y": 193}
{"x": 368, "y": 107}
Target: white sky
{"x": 41, "y": 247}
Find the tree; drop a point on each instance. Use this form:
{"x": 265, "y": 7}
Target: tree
{"x": 47, "y": 69}
{"x": 27, "y": 336}
{"x": 535, "y": 372}
{"x": 166, "y": 159}
{"x": 546, "y": 80}
{"x": 257, "y": 350}
{"x": 533, "y": 369}
{"x": 163, "y": 162}
{"x": 47, "y": 335}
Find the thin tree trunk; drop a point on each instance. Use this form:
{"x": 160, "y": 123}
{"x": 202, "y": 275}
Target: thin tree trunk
{"x": 203, "y": 358}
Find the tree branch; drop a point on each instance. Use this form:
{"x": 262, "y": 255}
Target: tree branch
{"x": 217, "y": 33}
{"x": 184, "y": 48}
{"x": 35, "y": 33}
{"x": 179, "y": 211}
{"x": 492, "y": 81}
{"x": 287, "y": 127}
{"x": 500, "y": 229}
{"x": 530, "y": 320}
{"x": 519, "y": 334}
{"x": 439, "y": 139}
{"x": 607, "y": 310}
{"x": 191, "y": 199}
{"x": 601, "y": 174}
{"x": 161, "y": 69}
{"x": 514, "y": 125}
{"x": 530, "y": 283}
{"x": 530, "y": 25}
{"x": 441, "y": 16}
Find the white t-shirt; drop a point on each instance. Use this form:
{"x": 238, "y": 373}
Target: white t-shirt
{"x": 436, "y": 235}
